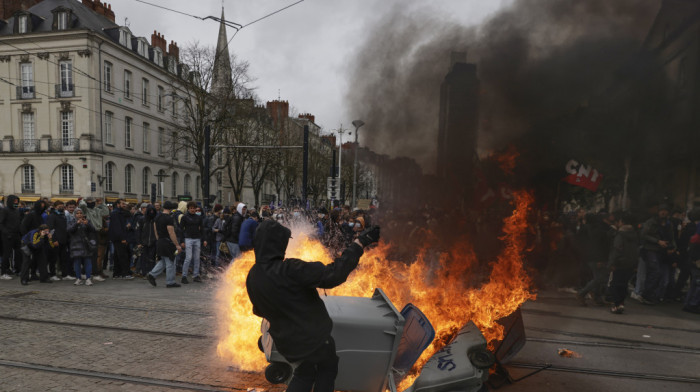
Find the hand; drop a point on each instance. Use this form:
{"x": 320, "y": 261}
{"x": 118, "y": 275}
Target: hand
{"x": 663, "y": 244}
{"x": 369, "y": 236}
{"x": 179, "y": 248}
{"x": 205, "y": 243}
{"x": 124, "y": 242}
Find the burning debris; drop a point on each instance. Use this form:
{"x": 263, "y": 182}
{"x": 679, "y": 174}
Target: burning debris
{"x": 442, "y": 291}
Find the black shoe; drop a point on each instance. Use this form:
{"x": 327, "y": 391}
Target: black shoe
{"x": 197, "y": 279}
{"x": 24, "y": 282}
{"x": 34, "y": 277}
{"x": 151, "y": 280}
{"x": 171, "y": 285}
{"x": 184, "y": 280}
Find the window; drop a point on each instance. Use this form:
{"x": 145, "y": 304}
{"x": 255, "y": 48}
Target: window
{"x": 23, "y": 24}
{"x": 108, "y": 127}
{"x": 172, "y": 64}
{"x": 161, "y": 180}
{"x": 27, "y": 81}
{"x": 186, "y": 185}
{"x": 146, "y": 186}
{"x": 66, "y": 181}
{"x": 127, "y": 84}
{"x": 66, "y": 73}
{"x": 67, "y": 142}
{"x": 161, "y": 141}
{"x": 146, "y": 136}
{"x": 125, "y": 38}
{"x": 142, "y": 48}
{"x": 109, "y": 176}
{"x": 161, "y": 93}
{"x": 144, "y": 91}
{"x": 108, "y": 77}
{"x": 173, "y": 141}
{"x": 28, "y": 179}
{"x": 198, "y": 187}
{"x": 62, "y": 20}
{"x": 28, "y": 129}
{"x": 128, "y": 175}
{"x": 173, "y": 190}
{"x": 127, "y": 132}
{"x": 158, "y": 56}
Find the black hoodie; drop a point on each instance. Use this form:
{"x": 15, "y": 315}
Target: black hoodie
{"x": 283, "y": 291}
{"x": 10, "y": 218}
{"x": 33, "y": 219}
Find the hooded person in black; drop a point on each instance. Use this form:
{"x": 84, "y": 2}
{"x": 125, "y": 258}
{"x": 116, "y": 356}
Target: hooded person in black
{"x": 10, "y": 220}
{"x": 284, "y": 292}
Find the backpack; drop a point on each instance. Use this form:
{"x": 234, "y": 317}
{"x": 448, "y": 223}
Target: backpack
{"x": 27, "y": 240}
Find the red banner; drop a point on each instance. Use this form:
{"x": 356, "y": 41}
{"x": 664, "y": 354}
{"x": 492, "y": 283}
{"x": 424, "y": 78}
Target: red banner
{"x": 582, "y": 175}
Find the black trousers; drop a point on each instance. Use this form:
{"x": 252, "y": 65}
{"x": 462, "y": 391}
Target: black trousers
{"x": 61, "y": 256}
{"x": 121, "y": 259}
{"x": 317, "y": 371}
{"x": 147, "y": 260}
{"x": 11, "y": 251}
{"x": 618, "y": 285}
{"x": 38, "y": 259}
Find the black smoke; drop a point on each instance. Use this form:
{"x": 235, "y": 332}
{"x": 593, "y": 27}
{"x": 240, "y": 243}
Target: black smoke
{"x": 537, "y": 60}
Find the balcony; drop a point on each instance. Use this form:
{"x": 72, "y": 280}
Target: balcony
{"x": 58, "y": 145}
{"x": 25, "y": 92}
{"x": 24, "y": 145}
{"x": 64, "y": 90}
{"x": 27, "y": 188}
{"x": 65, "y": 189}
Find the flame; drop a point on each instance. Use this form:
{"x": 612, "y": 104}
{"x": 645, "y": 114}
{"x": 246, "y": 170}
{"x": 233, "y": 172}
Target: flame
{"x": 440, "y": 284}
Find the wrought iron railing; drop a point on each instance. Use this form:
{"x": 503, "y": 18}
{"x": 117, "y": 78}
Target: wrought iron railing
{"x": 25, "y": 145}
{"x": 65, "y": 90}
{"x": 25, "y": 92}
{"x": 67, "y": 144}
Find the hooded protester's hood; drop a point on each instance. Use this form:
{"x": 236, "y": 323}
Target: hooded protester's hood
{"x": 182, "y": 207}
{"x": 10, "y": 203}
{"x": 40, "y": 207}
{"x": 240, "y": 208}
{"x": 270, "y": 242}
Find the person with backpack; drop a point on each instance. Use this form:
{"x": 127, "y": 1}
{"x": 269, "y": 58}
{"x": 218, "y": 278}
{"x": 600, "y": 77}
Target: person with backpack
{"x": 83, "y": 246}
{"x": 31, "y": 221}
{"x": 40, "y": 243}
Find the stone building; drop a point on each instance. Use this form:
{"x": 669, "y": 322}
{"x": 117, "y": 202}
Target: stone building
{"x": 87, "y": 108}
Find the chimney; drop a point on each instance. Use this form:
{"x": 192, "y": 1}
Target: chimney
{"x": 158, "y": 41}
{"x": 89, "y": 3}
{"x": 173, "y": 50}
{"x": 99, "y": 7}
{"x": 308, "y": 116}
{"x": 109, "y": 14}
{"x": 457, "y": 57}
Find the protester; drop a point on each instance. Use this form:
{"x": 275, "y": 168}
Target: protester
{"x": 657, "y": 245}
{"x": 83, "y": 247}
{"x": 97, "y": 213}
{"x": 623, "y": 258}
{"x": 167, "y": 247}
{"x": 58, "y": 224}
{"x": 232, "y": 230}
{"x": 248, "y": 227}
{"x": 10, "y": 220}
{"x": 118, "y": 228}
{"x": 40, "y": 244}
{"x": 192, "y": 225}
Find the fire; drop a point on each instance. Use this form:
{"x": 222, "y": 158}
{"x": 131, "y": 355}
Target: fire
{"x": 438, "y": 284}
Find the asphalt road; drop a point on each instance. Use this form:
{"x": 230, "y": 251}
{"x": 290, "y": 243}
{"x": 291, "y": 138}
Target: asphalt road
{"x": 127, "y": 336}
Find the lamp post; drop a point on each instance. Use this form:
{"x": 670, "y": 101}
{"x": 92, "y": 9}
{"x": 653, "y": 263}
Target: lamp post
{"x": 357, "y": 124}
{"x": 340, "y": 158}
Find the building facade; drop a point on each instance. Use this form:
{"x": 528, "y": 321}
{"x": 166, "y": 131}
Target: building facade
{"x": 89, "y": 109}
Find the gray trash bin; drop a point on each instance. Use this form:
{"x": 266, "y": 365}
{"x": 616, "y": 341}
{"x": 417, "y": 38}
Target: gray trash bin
{"x": 367, "y": 333}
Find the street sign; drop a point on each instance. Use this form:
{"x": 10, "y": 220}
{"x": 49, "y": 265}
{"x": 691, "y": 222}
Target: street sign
{"x": 333, "y": 187}
{"x": 184, "y": 198}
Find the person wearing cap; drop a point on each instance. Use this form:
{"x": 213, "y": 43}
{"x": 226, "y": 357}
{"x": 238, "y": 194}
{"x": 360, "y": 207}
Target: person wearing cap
{"x": 284, "y": 292}
{"x": 166, "y": 246}
{"x": 658, "y": 243}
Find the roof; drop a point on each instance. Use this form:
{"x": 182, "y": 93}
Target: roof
{"x": 85, "y": 18}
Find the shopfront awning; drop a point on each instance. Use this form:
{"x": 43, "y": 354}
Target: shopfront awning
{"x": 63, "y": 199}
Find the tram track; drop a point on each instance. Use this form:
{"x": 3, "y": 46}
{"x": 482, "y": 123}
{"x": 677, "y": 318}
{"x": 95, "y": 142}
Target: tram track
{"x": 608, "y": 338}
{"x": 137, "y": 380}
{"x": 601, "y": 372}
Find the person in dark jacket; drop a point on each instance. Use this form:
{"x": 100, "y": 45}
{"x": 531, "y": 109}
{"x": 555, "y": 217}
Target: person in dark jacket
{"x": 31, "y": 221}
{"x": 624, "y": 256}
{"x": 232, "y": 230}
{"x": 118, "y": 232}
{"x": 596, "y": 252}
{"x": 167, "y": 246}
{"x": 40, "y": 245}
{"x": 83, "y": 246}
{"x": 147, "y": 240}
{"x": 245, "y": 239}
{"x": 658, "y": 243}
{"x": 192, "y": 224}
{"x": 58, "y": 224}
{"x": 10, "y": 220}
{"x": 284, "y": 292}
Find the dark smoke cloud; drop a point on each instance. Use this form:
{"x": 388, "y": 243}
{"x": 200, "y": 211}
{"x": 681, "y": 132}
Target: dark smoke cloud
{"x": 536, "y": 60}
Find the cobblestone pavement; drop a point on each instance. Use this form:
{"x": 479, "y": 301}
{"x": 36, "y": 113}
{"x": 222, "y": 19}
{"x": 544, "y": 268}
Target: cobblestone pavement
{"x": 130, "y": 337}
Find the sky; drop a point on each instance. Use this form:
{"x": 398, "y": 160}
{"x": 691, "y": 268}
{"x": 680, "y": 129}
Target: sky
{"x": 304, "y": 54}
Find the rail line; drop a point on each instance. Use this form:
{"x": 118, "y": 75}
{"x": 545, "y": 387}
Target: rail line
{"x": 106, "y": 327}
{"x": 589, "y": 335}
{"x": 600, "y": 372}
{"x": 557, "y": 314}
{"x": 118, "y": 377}
{"x": 613, "y": 345}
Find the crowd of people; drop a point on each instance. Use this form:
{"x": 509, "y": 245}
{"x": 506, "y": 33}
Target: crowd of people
{"x": 653, "y": 258}
{"x": 83, "y": 240}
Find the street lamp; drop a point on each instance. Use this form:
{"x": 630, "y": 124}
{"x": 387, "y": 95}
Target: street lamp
{"x": 340, "y": 158}
{"x": 357, "y": 124}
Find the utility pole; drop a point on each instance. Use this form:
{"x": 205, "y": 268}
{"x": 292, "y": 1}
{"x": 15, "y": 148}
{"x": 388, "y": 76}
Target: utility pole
{"x": 357, "y": 124}
{"x": 340, "y": 159}
{"x": 305, "y": 172}
{"x": 207, "y": 158}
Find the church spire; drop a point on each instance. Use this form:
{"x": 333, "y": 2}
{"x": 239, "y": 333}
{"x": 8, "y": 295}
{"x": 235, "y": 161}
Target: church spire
{"x": 222, "y": 80}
